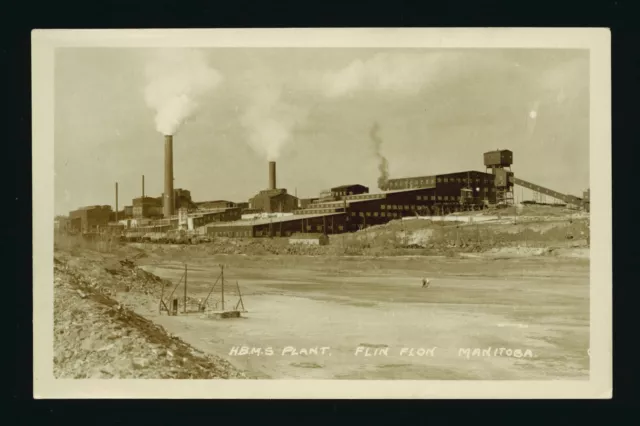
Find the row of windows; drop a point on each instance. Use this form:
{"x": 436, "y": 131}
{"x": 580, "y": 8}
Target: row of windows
{"x": 319, "y": 228}
{"x": 308, "y": 228}
{"x": 430, "y": 181}
{"x": 233, "y": 233}
{"x": 390, "y": 214}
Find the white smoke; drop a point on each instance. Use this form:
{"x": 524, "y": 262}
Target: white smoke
{"x": 178, "y": 82}
{"x": 271, "y": 120}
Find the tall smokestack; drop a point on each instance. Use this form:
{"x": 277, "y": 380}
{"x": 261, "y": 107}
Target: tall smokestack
{"x": 116, "y": 201}
{"x": 272, "y": 175}
{"x": 142, "y": 187}
{"x": 167, "y": 202}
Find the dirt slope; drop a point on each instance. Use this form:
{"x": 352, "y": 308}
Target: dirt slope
{"x": 96, "y": 337}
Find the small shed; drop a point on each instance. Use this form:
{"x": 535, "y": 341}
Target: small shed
{"x": 309, "y": 239}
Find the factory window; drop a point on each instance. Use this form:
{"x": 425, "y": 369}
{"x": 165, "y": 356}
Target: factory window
{"x": 406, "y": 207}
{"x": 353, "y": 213}
{"x": 419, "y": 197}
{"x": 383, "y": 214}
{"x": 308, "y": 227}
{"x": 361, "y": 214}
{"x": 439, "y": 179}
{"x": 493, "y": 190}
{"x": 319, "y": 228}
{"x": 368, "y": 214}
{"x": 375, "y": 214}
{"x": 477, "y": 180}
{"x": 413, "y": 207}
{"x": 382, "y": 207}
{"x": 340, "y": 228}
{"x": 439, "y": 197}
{"x": 446, "y": 180}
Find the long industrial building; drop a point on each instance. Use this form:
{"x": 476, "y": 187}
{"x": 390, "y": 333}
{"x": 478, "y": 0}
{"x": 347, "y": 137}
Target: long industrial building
{"x": 273, "y": 212}
{"x": 435, "y": 195}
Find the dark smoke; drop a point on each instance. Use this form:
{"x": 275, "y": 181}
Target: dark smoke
{"x": 383, "y": 165}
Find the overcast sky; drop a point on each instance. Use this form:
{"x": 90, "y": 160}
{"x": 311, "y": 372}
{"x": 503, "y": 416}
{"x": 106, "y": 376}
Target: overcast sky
{"x": 312, "y": 111}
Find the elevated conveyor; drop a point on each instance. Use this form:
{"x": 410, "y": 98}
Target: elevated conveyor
{"x": 569, "y": 199}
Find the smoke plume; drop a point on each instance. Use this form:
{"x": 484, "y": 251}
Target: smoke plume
{"x": 270, "y": 121}
{"x": 177, "y": 83}
{"x": 383, "y": 164}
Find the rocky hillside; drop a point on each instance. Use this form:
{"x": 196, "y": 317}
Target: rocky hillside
{"x": 96, "y": 337}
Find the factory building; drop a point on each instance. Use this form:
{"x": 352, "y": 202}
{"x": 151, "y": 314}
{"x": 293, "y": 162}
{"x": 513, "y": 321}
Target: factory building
{"x": 421, "y": 196}
{"x": 182, "y": 200}
{"x": 90, "y": 218}
{"x": 449, "y": 187}
{"x": 309, "y": 239}
{"x": 351, "y": 213}
{"x": 220, "y": 204}
{"x": 147, "y": 207}
{"x": 273, "y": 199}
{"x": 304, "y": 202}
{"x": 341, "y": 191}
{"x": 215, "y": 204}
{"x": 281, "y": 226}
{"x": 218, "y": 215}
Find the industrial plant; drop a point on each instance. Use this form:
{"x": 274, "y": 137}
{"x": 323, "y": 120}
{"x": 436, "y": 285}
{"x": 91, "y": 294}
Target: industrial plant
{"x": 273, "y": 212}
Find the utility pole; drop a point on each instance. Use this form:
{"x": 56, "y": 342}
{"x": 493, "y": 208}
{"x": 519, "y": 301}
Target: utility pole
{"x": 222, "y": 283}
{"x": 116, "y": 201}
{"x": 184, "y": 309}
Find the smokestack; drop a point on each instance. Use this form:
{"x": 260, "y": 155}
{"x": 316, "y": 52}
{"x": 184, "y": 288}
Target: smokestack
{"x": 143, "y": 187}
{"x": 272, "y": 175}
{"x": 168, "y": 203}
{"x": 116, "y": 201}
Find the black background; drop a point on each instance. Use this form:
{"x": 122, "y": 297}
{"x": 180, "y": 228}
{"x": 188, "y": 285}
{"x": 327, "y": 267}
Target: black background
{"x": 21, "y": 17}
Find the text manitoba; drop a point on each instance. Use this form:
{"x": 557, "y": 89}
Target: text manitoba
{"x": 489, "y": 352}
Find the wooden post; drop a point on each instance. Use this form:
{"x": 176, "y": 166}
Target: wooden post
{"x": 222, "y": 283}
{"x": 240, "y": 295}
{"x": 184, "y": 309}
{"x": 161, "y": 298}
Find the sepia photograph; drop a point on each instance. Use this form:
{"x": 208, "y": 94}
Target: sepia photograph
{"x": 257, "y": 212}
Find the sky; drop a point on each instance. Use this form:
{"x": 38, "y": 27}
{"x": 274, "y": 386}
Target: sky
{"x": 231, "y": 110}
